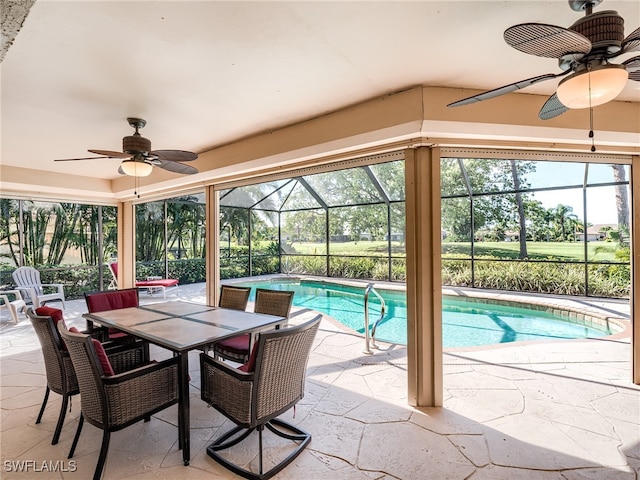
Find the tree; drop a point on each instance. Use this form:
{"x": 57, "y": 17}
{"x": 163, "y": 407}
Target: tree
{"x": 520, "y": 207}
{"x": 478, "y": 186}
{"x": 564, "y": 220}
{"x": 622, "y": 199}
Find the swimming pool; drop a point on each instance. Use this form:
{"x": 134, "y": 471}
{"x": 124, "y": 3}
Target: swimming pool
{"x": 466, "y": 323}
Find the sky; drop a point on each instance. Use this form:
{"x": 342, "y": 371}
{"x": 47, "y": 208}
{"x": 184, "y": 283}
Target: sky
{"x": 600, "y": 200}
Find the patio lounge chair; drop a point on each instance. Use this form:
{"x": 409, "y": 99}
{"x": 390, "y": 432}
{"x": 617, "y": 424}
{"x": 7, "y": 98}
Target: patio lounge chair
{"x": 27, "y": 280}
{"x": 270, "y": 302}
{"x": 151, "y": 284}
{"x": 15, "y": 306}
{"x": 112, "y": 401}
{"x": 253, "y": 395}
{"x": 61, "y": 377}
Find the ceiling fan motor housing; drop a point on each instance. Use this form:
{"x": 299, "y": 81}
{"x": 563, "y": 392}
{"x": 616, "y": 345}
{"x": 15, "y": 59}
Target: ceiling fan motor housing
{"x": 136, "y": 144}
{"x": 605, "y": 30}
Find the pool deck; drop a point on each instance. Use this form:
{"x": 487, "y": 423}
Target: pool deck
{"x": 561, "y": 410}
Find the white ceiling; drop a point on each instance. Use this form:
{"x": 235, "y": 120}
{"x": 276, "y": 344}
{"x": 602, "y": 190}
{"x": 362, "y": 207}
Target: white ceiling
{"x": 205, "y": 73}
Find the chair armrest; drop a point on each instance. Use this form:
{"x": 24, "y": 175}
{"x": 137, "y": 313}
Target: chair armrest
{"x": 15, "y": 293}
{"x": 225, "y": 368}
{"x": 226, "y": 388}
{"x": 125, "y": 357}
{"x": 138, "y": 393}
{"x": 29, "y": 289}
{"x": 59, "y": 286}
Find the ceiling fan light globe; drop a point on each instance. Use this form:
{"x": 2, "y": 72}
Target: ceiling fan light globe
{"x": 592, "y": 88}
{"x": 134, "y": 168}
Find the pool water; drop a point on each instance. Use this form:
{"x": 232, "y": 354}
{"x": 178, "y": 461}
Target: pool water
{"x": 465, "y": 323}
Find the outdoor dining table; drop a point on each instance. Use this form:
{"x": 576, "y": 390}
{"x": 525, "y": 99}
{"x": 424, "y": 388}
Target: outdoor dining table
{"x": 181, "y": 326}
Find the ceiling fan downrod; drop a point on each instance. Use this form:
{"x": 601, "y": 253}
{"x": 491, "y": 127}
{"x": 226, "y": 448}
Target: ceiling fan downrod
{"x": 584, "y": 5}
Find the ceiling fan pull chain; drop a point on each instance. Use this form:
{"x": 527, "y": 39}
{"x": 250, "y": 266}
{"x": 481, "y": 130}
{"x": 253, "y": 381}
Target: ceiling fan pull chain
{"x": 136, "y": 186}
{"x": 591, "y": 135}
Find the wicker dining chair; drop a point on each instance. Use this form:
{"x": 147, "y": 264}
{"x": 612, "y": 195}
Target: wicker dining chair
{"x": 102, "y": 301}
{"x": 234, "y": 297}
{"x": 112, "y": 401}
{"x": 271, "y": 302}
{"x": 252, "y": 396}
{"x": 61, "y": 377}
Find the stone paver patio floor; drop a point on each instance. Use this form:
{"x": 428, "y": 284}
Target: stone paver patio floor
{"x": 549, "y": 411}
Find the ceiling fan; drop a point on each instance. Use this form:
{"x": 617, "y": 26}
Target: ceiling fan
{"x": 583, "y": 51}
{"x": 139, "y": 159}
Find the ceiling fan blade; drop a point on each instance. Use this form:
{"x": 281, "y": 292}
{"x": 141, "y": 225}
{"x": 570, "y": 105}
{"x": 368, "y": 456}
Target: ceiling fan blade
{"x": 552, "y": 108}
{"x": 174, "y": 155}
{"x": 74, "y": 159}
{"x": 545, "y": 40}
{"x": 632, "y": 42}
{"x": 111, "y": 154}
{"x": 633, "y": 67}
{"x": 176, "y": 167}
{"x": 506, "y": 89}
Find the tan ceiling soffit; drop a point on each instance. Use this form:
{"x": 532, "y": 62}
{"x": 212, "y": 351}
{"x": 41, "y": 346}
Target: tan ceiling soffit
{"x": 521, "y": 109}
{"x": 412, "y": 117}
{"x": 408, "y": 118}
{"x": 28, "y": 183}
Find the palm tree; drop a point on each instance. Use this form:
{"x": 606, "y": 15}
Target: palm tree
{"x": 563, "y": 218}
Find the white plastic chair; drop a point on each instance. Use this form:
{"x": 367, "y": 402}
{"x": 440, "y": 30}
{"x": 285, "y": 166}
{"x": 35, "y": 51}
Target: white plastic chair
{"x": 14, "y": 306}
{"x": 27, "y": 280}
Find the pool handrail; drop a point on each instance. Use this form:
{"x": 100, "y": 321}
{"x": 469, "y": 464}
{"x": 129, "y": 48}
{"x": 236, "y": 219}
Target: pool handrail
{"x": 370, "y": 339}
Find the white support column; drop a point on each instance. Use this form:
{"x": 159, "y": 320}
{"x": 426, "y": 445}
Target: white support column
{"x": 635, "y": 270}
{"x": 126, "y": 245}
{"x": 212, "y": 261}
{"x": 424, "y": 290}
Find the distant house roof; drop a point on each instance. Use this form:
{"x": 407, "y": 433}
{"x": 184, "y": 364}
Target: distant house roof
{"x": 597, "y": 228}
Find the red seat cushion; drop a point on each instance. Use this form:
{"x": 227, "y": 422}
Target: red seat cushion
{"x": 104, "y": 359}
{"x": 101, "y": 302}
{"x": 113, "y": 300}
{"x": 102, "y": 354}
{"x": 239, "y": 344}
{"x": 56, "y": 315}
{"x": 250, "y": 366}
{"x": 163, "y": 282}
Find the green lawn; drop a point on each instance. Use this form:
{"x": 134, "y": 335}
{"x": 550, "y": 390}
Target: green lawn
{"x": 363, "y": 247}
{"x": 573, "y": 251}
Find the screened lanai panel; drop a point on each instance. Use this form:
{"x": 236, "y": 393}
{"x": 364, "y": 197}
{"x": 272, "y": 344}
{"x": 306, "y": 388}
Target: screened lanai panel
{"x": 300, "y": 198}
{"x": 607, "y": 173}
{"x": 364, "y": 225}
{"x": 456, "y": 225}
{"x": 452, "y": 182}
{"x": 250, "y": 195}
{"x": 304, "y": 232}
{"x": 489, "y": 174}
{"x": 264, "y": 242}
{"x": 275, "y": 200}
{"x": 555, "y": 174}
{"x": 606, "y": 213}
{"x": 398, "y": 228}
{"x": 390, "y": 175}
{"x": 344, "y": 187}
